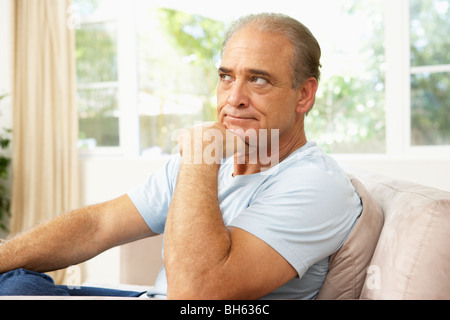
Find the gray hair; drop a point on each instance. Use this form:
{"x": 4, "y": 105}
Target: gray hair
{"x": 306, "y": 50}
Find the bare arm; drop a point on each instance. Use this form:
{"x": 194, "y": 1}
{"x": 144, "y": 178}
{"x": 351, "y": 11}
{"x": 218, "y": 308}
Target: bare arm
{"x": 204, "y": 259}
{"x": 74, "y": 237}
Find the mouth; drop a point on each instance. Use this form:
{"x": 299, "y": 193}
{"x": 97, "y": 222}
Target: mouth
{"x": 239, "y": 118}
{"x": 241, "y": 122}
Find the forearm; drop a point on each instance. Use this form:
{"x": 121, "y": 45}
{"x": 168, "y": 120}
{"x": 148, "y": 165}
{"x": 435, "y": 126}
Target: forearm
{"x": 75, "y": 237}
{"x": 52, "y": 245}
{"x": 196, "y": 238}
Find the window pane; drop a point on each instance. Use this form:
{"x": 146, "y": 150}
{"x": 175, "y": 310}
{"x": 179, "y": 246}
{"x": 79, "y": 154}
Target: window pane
{"x": 177, "y": 53}
{"x": 430, "y": 109}
{"x": 96, "y": 52}
{"x": 349, "y": 113}
{"x": 98, "y": 117}
{"x": 430, "y": 88}
{"x": 97, "y": 9}
{"x": 97, "y": 73}
{"x": 430, "y": 29}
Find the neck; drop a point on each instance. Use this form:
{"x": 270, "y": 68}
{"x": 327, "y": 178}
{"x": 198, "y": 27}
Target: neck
{"x": 254, "y": 163}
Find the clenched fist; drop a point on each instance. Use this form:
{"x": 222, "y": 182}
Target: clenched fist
{"x": 210, "y": 143}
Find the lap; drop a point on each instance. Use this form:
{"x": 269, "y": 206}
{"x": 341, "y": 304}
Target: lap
{"x": 22, "y": 282}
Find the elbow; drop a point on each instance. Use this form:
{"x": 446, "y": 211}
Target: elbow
{"x": 174, "y": 294}
{"x": 197, "y": 282}
{"x": 177, "y": 294}
{"x": 200, "y": 288}
{"x": 190, "y": 291}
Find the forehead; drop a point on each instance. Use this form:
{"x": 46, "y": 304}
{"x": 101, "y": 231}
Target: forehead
{"x": 250, "y": 48}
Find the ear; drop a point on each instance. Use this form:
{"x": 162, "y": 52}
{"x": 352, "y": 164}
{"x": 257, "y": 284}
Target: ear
{"x": 306, "y": 95}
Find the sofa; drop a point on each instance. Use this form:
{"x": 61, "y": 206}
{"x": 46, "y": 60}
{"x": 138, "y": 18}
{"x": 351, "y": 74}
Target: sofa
{"x": 398, "y": 249}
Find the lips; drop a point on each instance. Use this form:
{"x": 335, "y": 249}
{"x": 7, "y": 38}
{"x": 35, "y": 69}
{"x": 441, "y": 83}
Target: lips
{"x": 239, "y": 117}
{"x": 237, "y": 121}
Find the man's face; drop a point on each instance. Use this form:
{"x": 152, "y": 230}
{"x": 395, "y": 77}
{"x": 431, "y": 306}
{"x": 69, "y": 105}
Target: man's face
{"x": 255, "y": 84}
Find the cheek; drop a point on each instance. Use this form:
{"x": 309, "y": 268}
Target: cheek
{"x": 219, "y": 108}
{"x": 221, "y": 96}
{"x": 220, "y": 103}
{"x": 269, "y": 106}
{"x": 279, "y": 112}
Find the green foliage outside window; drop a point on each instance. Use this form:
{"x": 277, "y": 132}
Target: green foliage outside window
{"x": 199, "y": 38}
{"x": 430, "y": 92}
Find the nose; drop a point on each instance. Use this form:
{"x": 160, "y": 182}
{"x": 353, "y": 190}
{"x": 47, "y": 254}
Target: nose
{"x": 238, "y": 97}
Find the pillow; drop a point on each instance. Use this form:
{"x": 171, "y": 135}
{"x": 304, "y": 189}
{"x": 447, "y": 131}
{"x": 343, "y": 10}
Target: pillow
{"x": 412, "y": 259}
{"x": 348, "y": 266}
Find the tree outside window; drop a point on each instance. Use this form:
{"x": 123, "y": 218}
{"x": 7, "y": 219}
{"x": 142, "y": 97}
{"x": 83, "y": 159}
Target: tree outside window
{"x": 97, "y": 74}
{"x": 430, "y": 72}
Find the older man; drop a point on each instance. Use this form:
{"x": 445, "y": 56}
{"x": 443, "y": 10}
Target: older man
{"x": 234, "y": 228}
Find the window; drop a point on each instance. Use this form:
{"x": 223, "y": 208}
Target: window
{"x": 430, "y": 72}
{"x": 148, "y": 68}
{"x": 349, "y": 115}
{"x": 177, "y": 78}
{"x": 177, "y": 74}
{"x": 97, "y": 75}
{"x": 417, "y": 73}
{"x": 106, "y": 77}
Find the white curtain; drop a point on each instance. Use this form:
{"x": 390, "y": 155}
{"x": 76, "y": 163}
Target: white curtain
{"x": 45, "y": 122}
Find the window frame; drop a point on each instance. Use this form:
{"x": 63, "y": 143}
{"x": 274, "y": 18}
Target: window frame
{"x": 126, "y": 83}
{"x": 398, "y": 85}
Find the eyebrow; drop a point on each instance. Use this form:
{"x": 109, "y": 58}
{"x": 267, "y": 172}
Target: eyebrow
{"x": 260, "y": 73}
{"x": 225, "y": 70}
{"x": 256, "y": 72}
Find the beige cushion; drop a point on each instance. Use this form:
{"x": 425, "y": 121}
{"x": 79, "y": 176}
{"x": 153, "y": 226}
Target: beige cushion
{"x": 412, "y": 258}
{"x": 348, "y": 266}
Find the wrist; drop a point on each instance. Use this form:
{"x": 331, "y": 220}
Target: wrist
{"x": 201, "y": 152}
{"x": 201, "y": 168}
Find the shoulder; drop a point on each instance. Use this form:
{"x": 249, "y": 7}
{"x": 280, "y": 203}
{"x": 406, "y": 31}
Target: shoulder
{"x": 309, "y": 186}
{"x": 308, "y": 168}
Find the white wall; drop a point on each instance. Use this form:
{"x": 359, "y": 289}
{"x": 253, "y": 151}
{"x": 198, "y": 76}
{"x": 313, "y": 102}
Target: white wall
{"x": 431, "y": 171}
{"x": 103, "y": 179}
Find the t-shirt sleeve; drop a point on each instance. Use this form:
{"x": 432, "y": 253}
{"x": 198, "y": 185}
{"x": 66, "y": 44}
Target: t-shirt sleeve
{"x": 304, "y": 220}
{"x": 152, "y": 198}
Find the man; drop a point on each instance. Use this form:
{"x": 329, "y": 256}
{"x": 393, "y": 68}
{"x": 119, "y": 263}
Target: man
{"x": 235, "y": 228}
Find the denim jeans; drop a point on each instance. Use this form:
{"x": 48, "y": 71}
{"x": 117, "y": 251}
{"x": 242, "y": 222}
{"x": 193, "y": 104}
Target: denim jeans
{"x": 22, "y": 282}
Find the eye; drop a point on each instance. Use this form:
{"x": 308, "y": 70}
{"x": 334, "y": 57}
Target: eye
{"x": 259, "y": 81}
{"x": 225, "y": 77}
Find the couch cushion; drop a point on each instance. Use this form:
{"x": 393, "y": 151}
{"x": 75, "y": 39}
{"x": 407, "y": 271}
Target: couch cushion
{"x": 348, "y": 265}
{"x": 412, "y": 259}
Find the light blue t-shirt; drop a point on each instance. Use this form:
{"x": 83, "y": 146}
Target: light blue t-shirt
{"x": 304, "y": 208}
